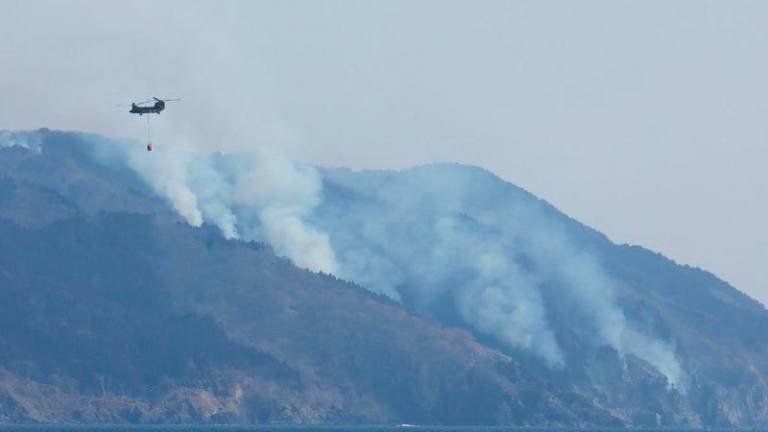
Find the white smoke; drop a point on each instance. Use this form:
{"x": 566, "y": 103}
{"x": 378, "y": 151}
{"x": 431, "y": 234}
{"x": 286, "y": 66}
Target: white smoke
{"x": 430, "y": 237}
{"x": 168, "y": 174}
{"x": 214, "y": 194}
{"x": 499, "y": 298}
{"x": 28, "y": 140}
{"x": 282, "y": 193}
{"x": 592, "y": 292}
{"x": 250, "y": 196}
{"x": 456, "y": 234}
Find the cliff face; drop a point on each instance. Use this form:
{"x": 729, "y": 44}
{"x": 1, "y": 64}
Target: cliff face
{"x": 113, "y": 310}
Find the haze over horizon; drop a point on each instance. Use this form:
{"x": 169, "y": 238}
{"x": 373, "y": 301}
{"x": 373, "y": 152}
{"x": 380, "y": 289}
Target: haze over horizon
{"x": 646, "y": 121}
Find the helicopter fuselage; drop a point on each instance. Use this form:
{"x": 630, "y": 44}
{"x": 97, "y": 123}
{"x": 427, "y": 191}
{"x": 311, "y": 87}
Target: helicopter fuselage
{"x": 156, "y": 108}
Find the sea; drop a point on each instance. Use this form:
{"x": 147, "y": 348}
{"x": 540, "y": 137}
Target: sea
{"x": 330, "y": 428}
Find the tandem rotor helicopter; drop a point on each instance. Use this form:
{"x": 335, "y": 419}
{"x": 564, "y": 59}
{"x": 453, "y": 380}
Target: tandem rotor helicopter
{"x": 142, "y": 108}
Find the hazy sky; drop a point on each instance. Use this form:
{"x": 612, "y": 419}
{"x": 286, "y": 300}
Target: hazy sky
{"x": 646, "y": 120}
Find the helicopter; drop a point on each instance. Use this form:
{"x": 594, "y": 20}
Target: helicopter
{"x": 142, "y": 108}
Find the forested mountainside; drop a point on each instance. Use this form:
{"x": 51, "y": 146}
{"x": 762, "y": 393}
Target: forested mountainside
{"x": 443, "y": 295}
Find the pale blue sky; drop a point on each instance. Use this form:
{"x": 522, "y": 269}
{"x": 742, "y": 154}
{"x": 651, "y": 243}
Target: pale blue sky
{"x": 645, "y": 120}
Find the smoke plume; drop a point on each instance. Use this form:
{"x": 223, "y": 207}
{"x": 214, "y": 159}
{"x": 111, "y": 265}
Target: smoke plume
{"x": 28, "y": 140}
{"x": 252, "y": 196}
{"x": 498, "y": 257}
{"x": 448, "y": 240}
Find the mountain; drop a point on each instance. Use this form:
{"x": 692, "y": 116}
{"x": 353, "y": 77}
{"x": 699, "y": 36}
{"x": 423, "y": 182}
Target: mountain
{"x": 173, "y": 288}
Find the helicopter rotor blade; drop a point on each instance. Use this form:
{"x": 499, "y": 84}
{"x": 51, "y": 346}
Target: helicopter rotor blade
{"x": 151, "y": 100}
